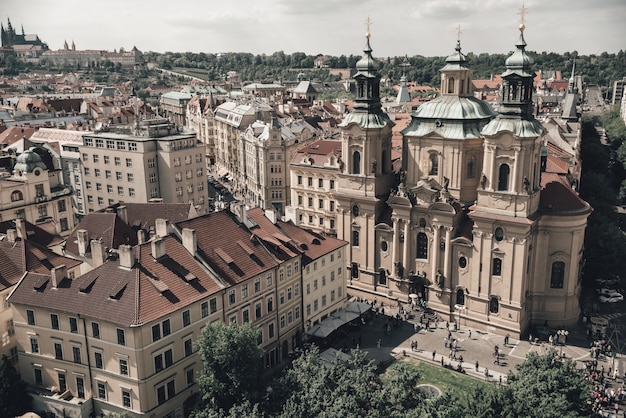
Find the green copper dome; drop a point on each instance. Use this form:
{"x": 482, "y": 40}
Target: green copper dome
{"x": 29, "y": 160}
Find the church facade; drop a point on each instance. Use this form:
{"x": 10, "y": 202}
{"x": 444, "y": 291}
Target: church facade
{"x": 467, "y": 224}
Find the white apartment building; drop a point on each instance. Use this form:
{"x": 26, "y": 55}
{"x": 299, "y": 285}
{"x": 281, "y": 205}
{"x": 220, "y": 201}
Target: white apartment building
{"x": 157, "y": 161}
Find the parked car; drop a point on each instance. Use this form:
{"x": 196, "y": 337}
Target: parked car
{"x": 611, "y": 299}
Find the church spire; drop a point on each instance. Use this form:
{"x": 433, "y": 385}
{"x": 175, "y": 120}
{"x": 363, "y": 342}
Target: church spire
{"x": 367, "y": 79}
{"x": 517, "y": 85}
{"x": 455, "y": 76}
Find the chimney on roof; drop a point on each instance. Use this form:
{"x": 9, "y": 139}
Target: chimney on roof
{"x": 271, "y": 215}
{"x": 57, "y": 274}
{"x": 190, "y": 241}
{"x": 158, "y": 248}
{"x": 240, "y": 211}
{"x": 160, "y": 225}
{"x": 127, "y": 256}
{"x": 83, "y": 237}
{"x": 11, "y": 235}
{"x": 122, "y": 213}
{"x": 141, "y": 236}
{"x": 98, "y": 254}
{"x": 20, "y": 226}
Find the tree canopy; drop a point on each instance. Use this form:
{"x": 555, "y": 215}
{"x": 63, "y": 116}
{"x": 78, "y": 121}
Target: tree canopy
{"x": 14, "y": 400}
{"x": 233, "y": 367}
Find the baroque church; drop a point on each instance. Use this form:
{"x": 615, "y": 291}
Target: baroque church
{"x": 467, "y": 225}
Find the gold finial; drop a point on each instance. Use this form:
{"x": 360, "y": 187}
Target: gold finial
{"x": 458, "y": 32}
{"x": 368, "y": 23}
{"x": 522, "y": 12}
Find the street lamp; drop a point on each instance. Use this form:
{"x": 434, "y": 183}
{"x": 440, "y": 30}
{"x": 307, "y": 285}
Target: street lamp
{"x": 458, "y": 308}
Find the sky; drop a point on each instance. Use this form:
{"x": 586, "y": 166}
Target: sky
{"x": 330, "y": 27}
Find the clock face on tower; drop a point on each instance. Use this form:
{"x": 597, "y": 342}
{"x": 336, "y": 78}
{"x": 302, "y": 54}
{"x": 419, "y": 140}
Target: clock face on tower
{"x": 355, "y": 210}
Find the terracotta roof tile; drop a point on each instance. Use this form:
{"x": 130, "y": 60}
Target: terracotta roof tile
{"x": 559, "y": 199}
{"x": 106, "y": 226}
{"x": 148, "y": 291}
{"x": 221, "y": 230}
{"x": 143, "y": 215}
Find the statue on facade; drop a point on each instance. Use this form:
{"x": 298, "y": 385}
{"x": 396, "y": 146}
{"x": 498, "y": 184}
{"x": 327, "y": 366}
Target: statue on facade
{"x": 483, "y": 180}
{"x": 446, "y": 183}
{"x": 374, "y": 164}
{"x": 399, "y": 269}
{"x": 527, "y": 185}
{"x": 440, "y": 279}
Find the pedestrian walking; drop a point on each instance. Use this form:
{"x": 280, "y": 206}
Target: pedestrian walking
{"x": 470, "y": 334}
{"x": 476, "y": 365}
{"x": 434, "y": 353}
{"x": 378, "y": 343}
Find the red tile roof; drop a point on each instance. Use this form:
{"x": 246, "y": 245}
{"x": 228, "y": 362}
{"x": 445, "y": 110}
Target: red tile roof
{"x": 221, "y": 231}
{"x": 150, "y": 290}
{"x": 143, "y": 215}
{"x": 106, "y": 226}
{"x": 558, "y": 198}
{"x": 34, "y": 233}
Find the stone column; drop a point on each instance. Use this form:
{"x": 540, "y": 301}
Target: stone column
{"x": 446, "y": 260}
{"x": 407, "y": 244}
{"x": 435, "y": 253}
{"x": 517, "y": 162}
{"x": 394, "y": 244}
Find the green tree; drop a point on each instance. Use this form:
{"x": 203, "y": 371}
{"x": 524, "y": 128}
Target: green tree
{"x": 314, "y": 388}
{"x": 546, "y": 386}
{"x": 233, "y": 368}
{"x": 14, "y": 400}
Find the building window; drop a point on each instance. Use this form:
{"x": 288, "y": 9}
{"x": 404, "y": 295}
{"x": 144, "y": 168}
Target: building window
{"x": 110, "y": 144}
{"x": 98, "y": 360}
{"x": 499, "y": 234}
{"x": 58, "y": 351}
{"x": 204, "y": 309}
{"x": 129, "y": 177}
{"x": 110, "y": 188}
{"x": 270, "y": 330}
{"x": 101, "y": 201}
{"x": 151, "y": 162}
{"x": 503, "y": 177}
{"x": 189, "y": 373}
{"x": 471, "y": 167}
{"x": 34, "y": 345}
{"x": 80, "y": 387}
{"x": 38, "y": 377}
{"x": 95, "y": 330}
{"x": 188, "y": 347}
{"x": 382, "y": 276}
{"x": 355, "y": 238}
{"x": 557, "y": 276}
{"x": 231, "y": 297}
{"x": 17, "y": 196}
{"x": 270, "y": 304}
{"x": 121, "y": 336}
{"x": 186, "y": 318}
{"x": 213, "y": 305}
{"x": 356, "y": 162}
{"x": 132, "y": 146}
{"x": 245, "y": 315}
{"x": 433, "y": 169}
{"x": 131, "y": 191}
{"x": 126, "y": 398}
{"x": 257, "y": 311}
{"x": 30, "y": 317}
{"x": 73, "y": 325}
{"x": 99, "y": 143}
{"x": 96, "y": 158}
{"x": 299, "y": 180}
{"x": 54, "y": 321}
{"x": 422, "y": 245}
{"x": 320, "y": 183}
{"x": 163, "y": 360}
{"x": 62, "y": 382}
{"x": 494, "y": 305}
{"x": 123, "y": 367}
{"x": 102, "y": 391}
{"x": 76, "y": 355}
{"x": 496, "y": 267}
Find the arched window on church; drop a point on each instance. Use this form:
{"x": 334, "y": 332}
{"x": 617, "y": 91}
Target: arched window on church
{"x": 433, "y": 170}
{"x": 557, "y": 277}
{"x": 471, "y": 167}
{"x": 496, "y": 267}
{"x": 494, "y": 305}
{"x": 382, "y": 276}
{"x": 451, "y": 85}
{"x": 16, "y": 196}
{"x": 460, "y": 297}
{"x": 356, "y": 162}
{"x": 355, "y": 238}
{"x": 422, "y": 245}
{"x": 503, "y": 177}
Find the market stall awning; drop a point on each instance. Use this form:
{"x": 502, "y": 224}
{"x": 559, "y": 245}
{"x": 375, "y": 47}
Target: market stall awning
{"x": 358, "y": 307}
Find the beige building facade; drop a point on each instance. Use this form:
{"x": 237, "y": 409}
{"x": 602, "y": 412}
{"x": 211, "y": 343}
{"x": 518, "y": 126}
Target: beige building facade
{"x": 156, "y": 162}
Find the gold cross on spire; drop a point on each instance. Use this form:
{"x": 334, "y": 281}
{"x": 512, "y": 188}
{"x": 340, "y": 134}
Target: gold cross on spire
{"x": 522, "y": 12}
{"x": 368, "y": 23}
{"x": 458, "y": 32}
